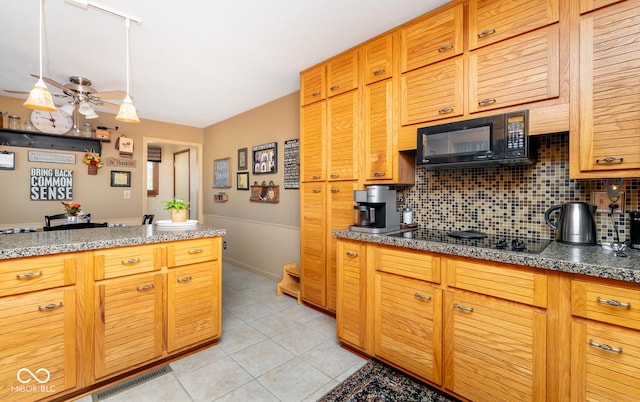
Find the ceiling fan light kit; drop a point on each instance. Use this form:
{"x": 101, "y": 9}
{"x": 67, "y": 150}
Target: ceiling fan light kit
{"x": 40, "y": 97}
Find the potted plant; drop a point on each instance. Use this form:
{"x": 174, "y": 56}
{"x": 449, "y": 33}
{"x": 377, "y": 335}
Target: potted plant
{"x": 72, "y": 209}
{"x": 178, "y": 209}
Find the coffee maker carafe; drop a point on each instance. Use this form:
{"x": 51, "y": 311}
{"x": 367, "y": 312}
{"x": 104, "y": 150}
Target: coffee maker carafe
{"x": 376, "y": 210}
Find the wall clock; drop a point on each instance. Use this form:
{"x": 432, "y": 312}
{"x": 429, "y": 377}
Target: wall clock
{"x": 58, "y": 122}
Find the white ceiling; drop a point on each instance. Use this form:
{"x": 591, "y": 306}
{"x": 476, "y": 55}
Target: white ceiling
{"x": 193, "y": 62}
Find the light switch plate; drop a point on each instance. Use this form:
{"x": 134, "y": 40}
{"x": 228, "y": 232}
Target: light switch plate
{"x": 601, "y": 200}
{"x": 127, "y": 194}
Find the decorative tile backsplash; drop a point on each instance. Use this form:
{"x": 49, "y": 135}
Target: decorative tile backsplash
{"x": 511, "y": 199}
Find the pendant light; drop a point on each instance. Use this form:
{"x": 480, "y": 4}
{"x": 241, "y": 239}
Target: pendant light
{"x": 40, "y": 97}
{"x": 127, "y": 112}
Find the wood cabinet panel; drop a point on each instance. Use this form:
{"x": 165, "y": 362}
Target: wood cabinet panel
{"x": 605, "y": 362}
{"x": 187, "y": 252}
{"x": 379, "y": 140}
{"x": 612, "y": 304}
{"x": 343, "y": 138}
{"x": 409, "y": 263}
{"x": 312, "y": 85}
{"x": 522, "y": 70}
{"x": 313, "y": 282}
{"x": 433, "y": 92}
{"x": 378, "y": 59}
{"x": 38, "y": 333}
{"x": 36, "y": 273}
{"x": 342, "y": 73}
{"x": 313, "y": 123}
{"x": 129, "y": 322}
{"x": 352, "y": 296}
{"x": 122, "y": 261}
{"x": 493, "y": 20}
{"x": 495, "y": 350}
{"x": 194, "y": 311}
{"x": 408, "y": 324}
{"x": 590, "y": 5}
{"x": 432, "y": 39}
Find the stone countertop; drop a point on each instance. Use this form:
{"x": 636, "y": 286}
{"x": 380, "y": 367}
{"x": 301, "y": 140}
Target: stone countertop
{"x": 18, "y": 245}
{"x": 586, "y": 260}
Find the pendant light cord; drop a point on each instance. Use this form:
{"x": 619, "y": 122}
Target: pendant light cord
{"x": 127, "y": 24}
{"x": 41, "y": 19}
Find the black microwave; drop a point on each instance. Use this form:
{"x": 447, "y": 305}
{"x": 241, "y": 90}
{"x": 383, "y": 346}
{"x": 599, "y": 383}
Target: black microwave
{"x": 486, "y": 141}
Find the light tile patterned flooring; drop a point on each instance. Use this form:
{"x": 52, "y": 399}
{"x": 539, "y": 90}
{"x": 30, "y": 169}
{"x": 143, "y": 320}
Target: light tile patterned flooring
{"x": 271, "y": 349}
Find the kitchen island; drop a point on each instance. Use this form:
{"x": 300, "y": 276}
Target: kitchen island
{"x": 81, "y": 309}
{"x": 487, "y": 324}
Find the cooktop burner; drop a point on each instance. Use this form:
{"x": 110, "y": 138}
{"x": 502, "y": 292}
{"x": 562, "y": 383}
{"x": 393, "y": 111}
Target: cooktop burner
{"x": 479, "y": 239}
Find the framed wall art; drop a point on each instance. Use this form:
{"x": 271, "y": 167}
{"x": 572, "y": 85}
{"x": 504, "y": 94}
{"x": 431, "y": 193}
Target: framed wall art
{"x": 7, "y": 160}
{"x": 265, "y": 158}
{"x": 120, "y": 179}
{"x": 242, "y": 159}
{"x": 242, "y": 180}
{"x": 222, "y": 173}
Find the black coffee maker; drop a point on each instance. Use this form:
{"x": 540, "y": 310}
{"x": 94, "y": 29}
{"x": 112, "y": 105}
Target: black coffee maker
{"x": 634, "y": 237}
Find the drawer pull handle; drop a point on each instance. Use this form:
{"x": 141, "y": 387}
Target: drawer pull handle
{"x": 30, "y": 275}
{"x": 379, "y": 174}
{"x": 335, "y": 175}
{"x": 333, "y": 88}
{"x": 445, "y": 110}
{"x": 462, "y": 308}
{"x": 335, "y": 190}
{"x": 487, "y": 101}
{"x": 145, "y": 287}
{"x": 316, "y": 190}
{"x": 317, "y": 93}
{"x": 613, "y": 303}
{"x": 445, "y": 47}
{"x": 421, "y": 296}
{"x": 351, "y": 254}
{"x": 195, "y": 251}
{"x": 486, "y": 32}
{"x": 609, "y": 159}
{"x": 379, "y": 71}
{"x": 315, "y": 176}
{"x": 185, "y": 279}
{"x": 130, "y": 261}
{"x": 49, "y": 306}
{"x": 604, "y": 346}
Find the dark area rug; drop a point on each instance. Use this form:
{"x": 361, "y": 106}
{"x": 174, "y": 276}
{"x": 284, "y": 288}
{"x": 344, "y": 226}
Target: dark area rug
{"x": 378, "y": 382}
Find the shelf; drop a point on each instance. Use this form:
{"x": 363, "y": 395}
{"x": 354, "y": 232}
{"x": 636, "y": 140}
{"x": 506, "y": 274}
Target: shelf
{"x": 32, "y": 139}
{"x": 221, "y": 197}
{"x": 290, "y": 283}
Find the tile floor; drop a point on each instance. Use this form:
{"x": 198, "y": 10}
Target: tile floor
{"x": 272, "y": 349}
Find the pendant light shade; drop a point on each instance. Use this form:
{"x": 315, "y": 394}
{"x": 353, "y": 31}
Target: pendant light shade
{"x": 127, "y": 112}
{"x": 40, "y": 97}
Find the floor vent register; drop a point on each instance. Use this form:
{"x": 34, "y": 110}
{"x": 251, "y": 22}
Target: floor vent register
{"x": 123, "y": 386}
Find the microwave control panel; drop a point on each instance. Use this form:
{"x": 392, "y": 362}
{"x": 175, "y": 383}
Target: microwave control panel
{"x": 516, "y": 134}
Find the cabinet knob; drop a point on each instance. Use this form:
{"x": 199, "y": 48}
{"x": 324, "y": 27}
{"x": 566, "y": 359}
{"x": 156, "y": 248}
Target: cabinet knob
{"x": 609, "y": 159}
{"x": 29, "y": 275}
{"x": 49, "y": 306}
{"x": 486, "y": 32}
{"x": 445, "y": 47}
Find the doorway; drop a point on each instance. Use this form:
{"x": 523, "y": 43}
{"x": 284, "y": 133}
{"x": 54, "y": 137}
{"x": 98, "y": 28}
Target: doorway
{"x": 182, "y": 175}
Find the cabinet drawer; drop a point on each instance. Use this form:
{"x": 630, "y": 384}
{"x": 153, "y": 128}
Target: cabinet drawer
{"x": 28, "y": 274}
{"x": 192, "y": 251}
{"x": 499, "y": 280}
{"x": 112, "y": 263}
{"x": 412, "y": 264}
{"x": 612, "y": 304}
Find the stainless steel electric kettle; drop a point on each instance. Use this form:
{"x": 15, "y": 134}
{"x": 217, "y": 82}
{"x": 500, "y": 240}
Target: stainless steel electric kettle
{"x": 575, "y": 224}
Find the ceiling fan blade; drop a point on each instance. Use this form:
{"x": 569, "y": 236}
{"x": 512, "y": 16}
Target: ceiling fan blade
{"x": 15, "y": 92}
{"x": 110, "y": 94}
{"x": 52, "y": 82}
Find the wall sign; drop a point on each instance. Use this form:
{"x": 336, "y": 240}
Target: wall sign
{"x": 51, "y": 184}
{"x": 120, "y": 162}
{"x": 292, "y": 164}
{"x": 222, "y": 173}
{"x": 52, "y": 157}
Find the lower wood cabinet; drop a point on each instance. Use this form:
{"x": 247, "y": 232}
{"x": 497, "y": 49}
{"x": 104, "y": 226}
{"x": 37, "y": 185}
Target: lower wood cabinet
{"x": 352, "y": 295}
{"x": 128, "y": 326}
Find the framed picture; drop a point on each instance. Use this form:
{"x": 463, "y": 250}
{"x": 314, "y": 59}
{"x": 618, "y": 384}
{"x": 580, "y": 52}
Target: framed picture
{"x": 222, "y": 173}
{"x": 120, "y": 179}
{"x": 265, "y": 158}
{"x": 7, "y": 160}
{"x": 242, "y": 159}
{"x": 242, "y": 181}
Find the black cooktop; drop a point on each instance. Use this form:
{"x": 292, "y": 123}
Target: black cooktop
{"x": 478, "y": 239}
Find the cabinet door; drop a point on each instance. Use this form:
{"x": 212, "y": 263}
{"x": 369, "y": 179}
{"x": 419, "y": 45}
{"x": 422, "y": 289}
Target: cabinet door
{"x": 408, "y": 324}
{"x": 339, "y": 216}
{"x": 351, "y": 309}
{"x": 494, "y": 20}
{"x": 38, "y": 341}
{"x": 313, "y": 121}
{"x": 24, "y": 275}
{"x": 609, "y": 78}
{"x": 605, "y": 362}
{"x": 193, "y": 304}
{"x": 312, "y": 85}
{"x": 379, "y": 144}
{"x": 495, "y": 350}
{"x": 313, "y": 282}
{"x": 343, "y": 136}
{"x": 521, "y": 70}
{"x": 590, "y": 5}
{"x": 433, "y": 92}
{"x": 378, "y": 59}
{"x": 435, "y": 38}
{"x": 342, "y": 73}
{"x": 129, "y": 323}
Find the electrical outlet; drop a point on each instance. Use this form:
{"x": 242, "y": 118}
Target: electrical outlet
{"x": 224, "y": 245}
{"x": 127, "y": 194}
{"x": 601, "y": 200}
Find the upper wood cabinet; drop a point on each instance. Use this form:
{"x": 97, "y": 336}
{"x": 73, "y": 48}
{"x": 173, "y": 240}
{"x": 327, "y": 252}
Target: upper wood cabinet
{"x": 312, "y": 85}
{"x": 491, "y": 21}
{"x": 378, "y": 59}
{"x": 606, "y": 98}
{"x": 521, "y": 70}
{"x": 313, "y": 128}
{"x": 379, "y": 144}
{"x": 342, "y": 136}
{"x": 590, "y": 5}
{"x": 342, "y": 73}
{"x": 432, "y": 39}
